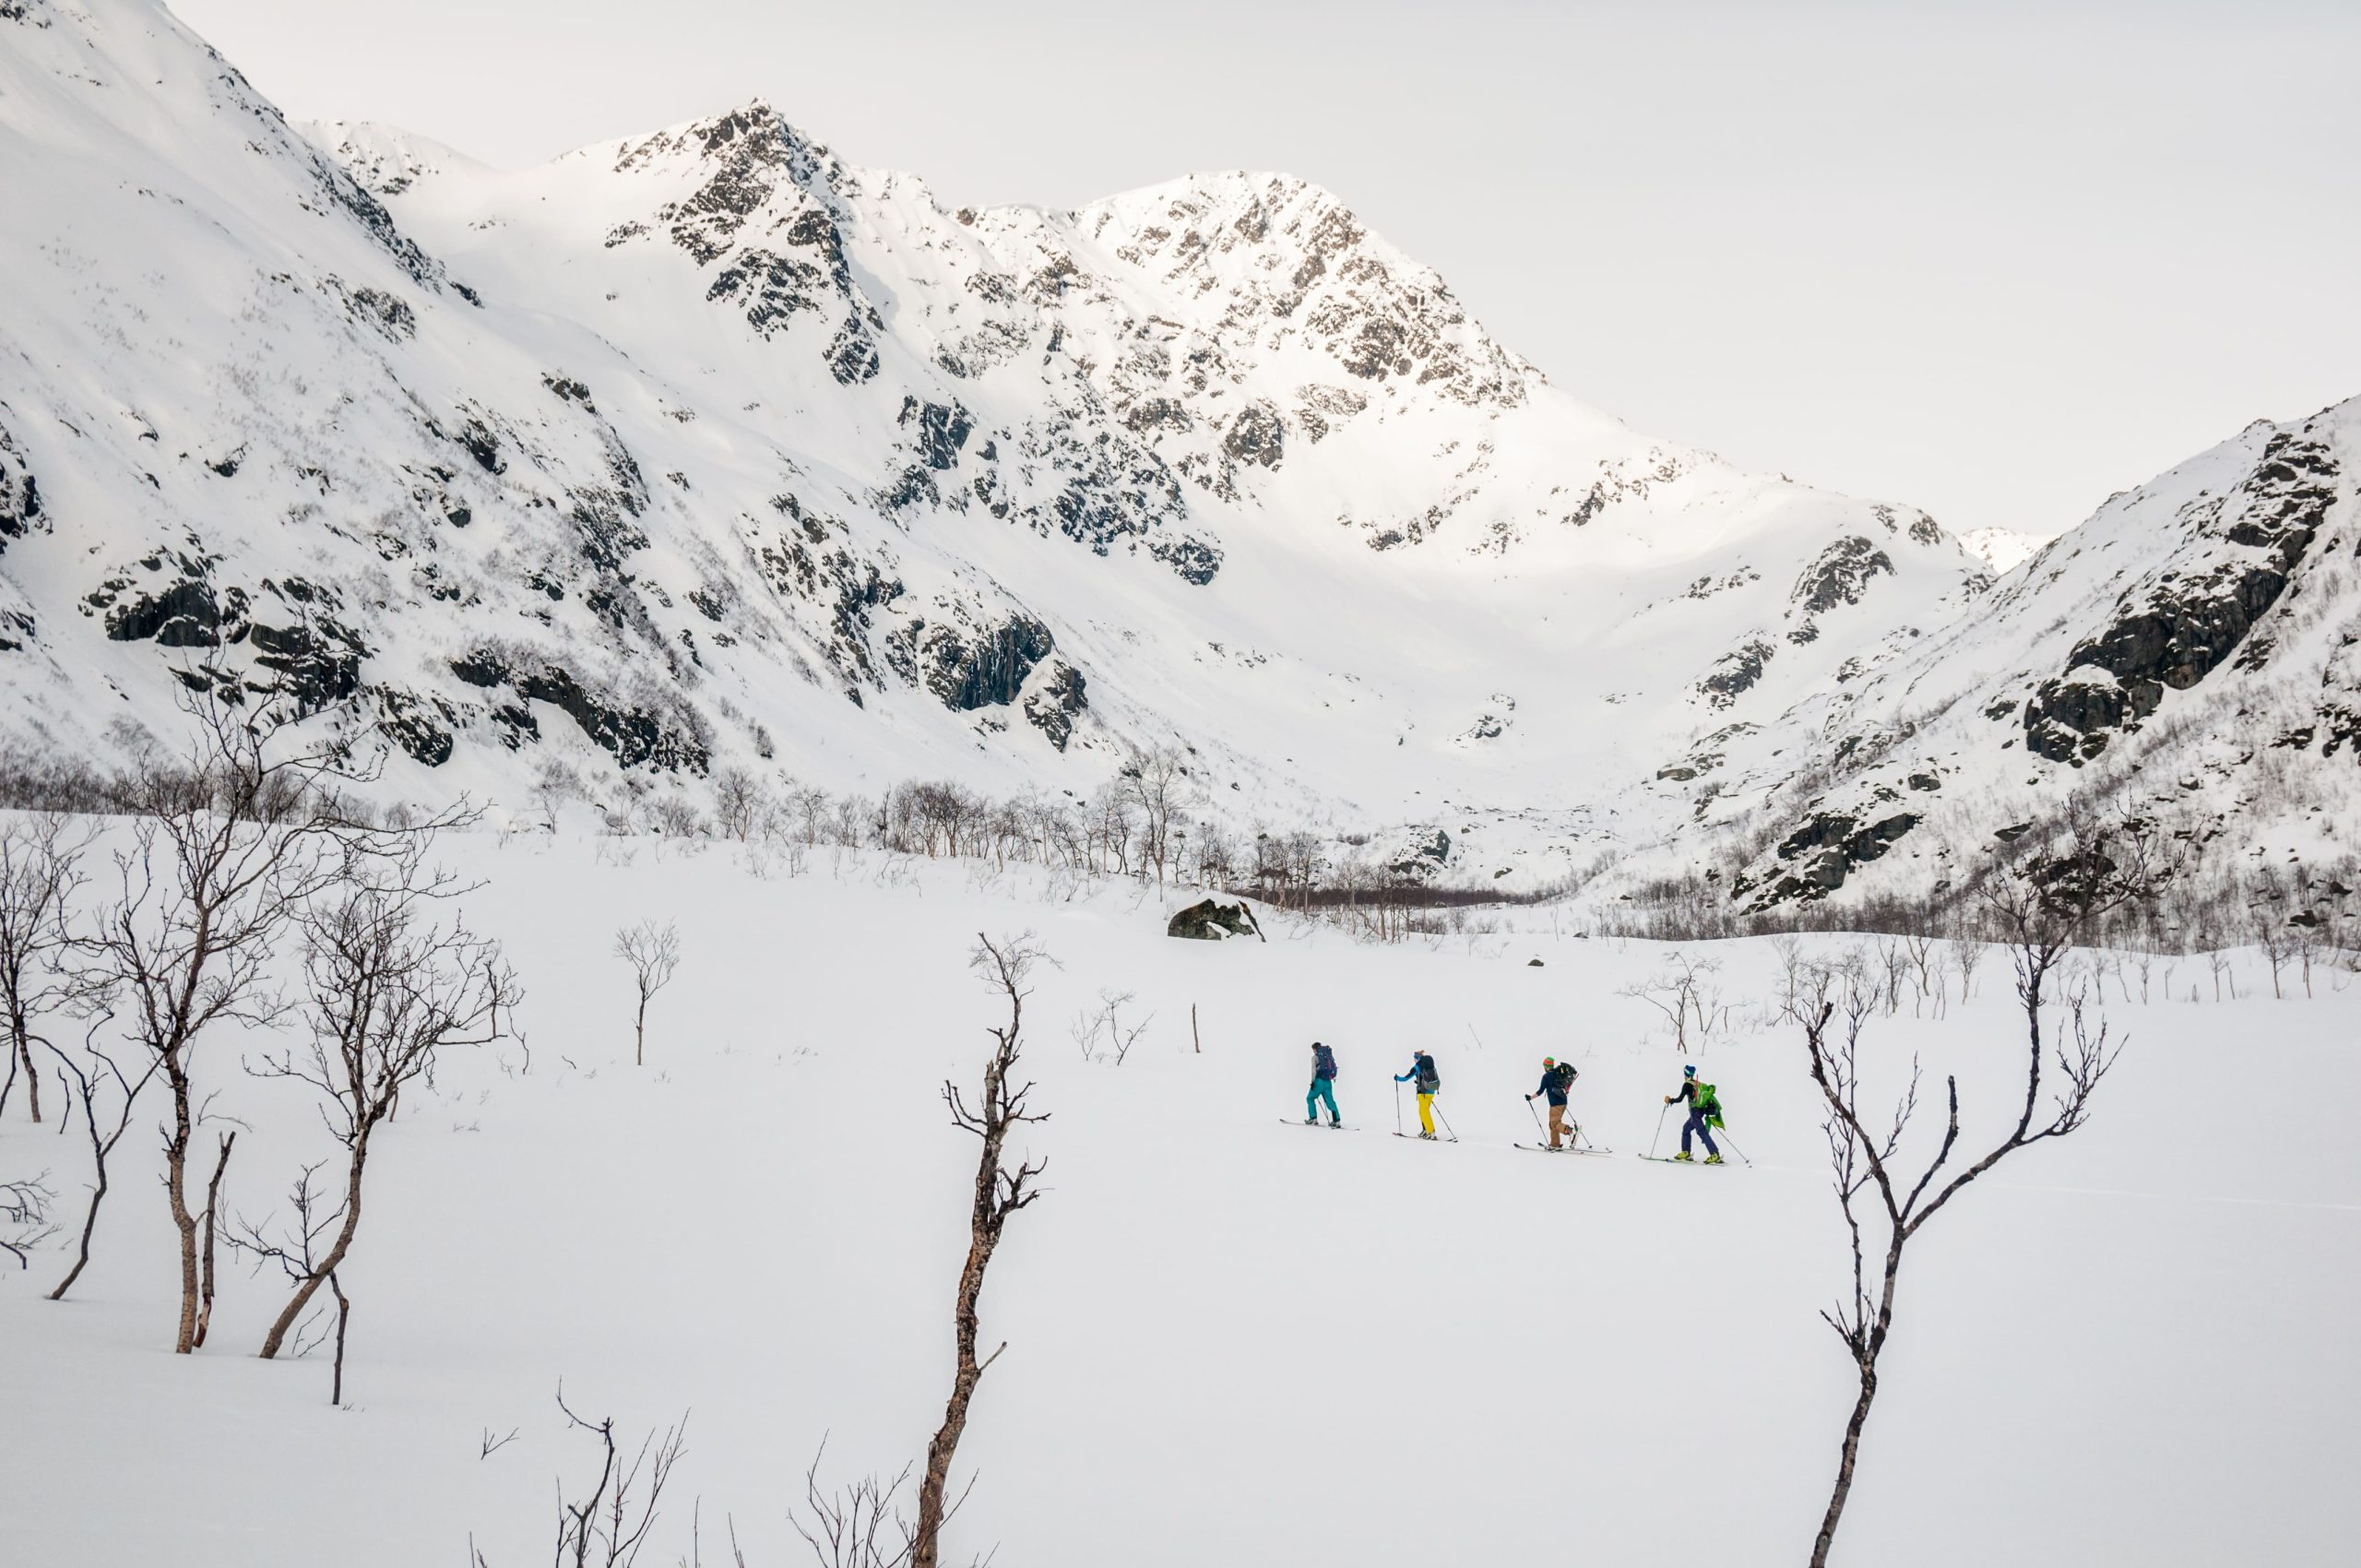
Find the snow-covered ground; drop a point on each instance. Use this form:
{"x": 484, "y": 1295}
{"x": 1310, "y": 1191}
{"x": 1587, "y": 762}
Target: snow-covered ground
{"x": 1230, "y": 1339}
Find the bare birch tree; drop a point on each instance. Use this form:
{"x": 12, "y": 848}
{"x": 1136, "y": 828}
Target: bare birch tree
{"x": 653, "y": 952}
{"x": 98, "y": 1075}
{"x": 40, "y": 873}
{"x": 999, "y": 1193}
{"x": 226, "y": 849}
{"x": 385, "y": 990}
{"x": 1884, "y": 1207}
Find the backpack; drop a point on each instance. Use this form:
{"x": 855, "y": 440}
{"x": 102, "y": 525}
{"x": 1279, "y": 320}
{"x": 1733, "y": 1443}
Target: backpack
{"x": 1709, "y": 1103}
{"x": 1564, "y": 1074}
{"x": 1324, "y": 1062}
{"x": 1429, "y": 1080}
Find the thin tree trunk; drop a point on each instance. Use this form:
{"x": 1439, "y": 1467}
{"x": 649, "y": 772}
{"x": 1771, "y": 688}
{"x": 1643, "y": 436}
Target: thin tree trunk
{"x": 639, "y": 1048}
{"x": 212, "y": 1205}
{"x": 1193, "y": 1036}
{"x": 984, "y": 1235}
{"x": 343, "y": 1316}
{"x": 89, "y": 1224}
{"x": 176, "y": 1191}
{"x": 328, "y": 1264}
{"x": 1844, "y": 1466}
{"x": 24, "y": 1054}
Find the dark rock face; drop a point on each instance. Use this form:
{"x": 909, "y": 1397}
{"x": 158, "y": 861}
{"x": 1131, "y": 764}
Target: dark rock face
{"x": 182, "y": 614}
{"x": 2186, "y": 626}
{"x": 1211, "y": 921}
{"x": 1841, "y": 574}
{"x": 316, "y": 661}
{"x": 1817, "y": 857}
{"x": 1429, "y": 854}
{"x": 1736, "y": 672}
{"x": 385, "y": 313}
{"x": 422, "y": 726}
{"x": 634, "y": 735}
{"x": 19, "y": 494}
{"x": 1257, "y": 436}
{"x": 941, "y": 432}
{"x": 1052, "y": 708}
{"x": 968, "y": 670}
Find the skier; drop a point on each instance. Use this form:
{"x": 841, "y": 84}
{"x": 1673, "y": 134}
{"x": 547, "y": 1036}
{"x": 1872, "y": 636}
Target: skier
{"x": 1557, "y": 1077}
{"x": 1422, "y": 1072}
{"x": 1323, "y": 1087}
{"x": 1705, "y": 1114}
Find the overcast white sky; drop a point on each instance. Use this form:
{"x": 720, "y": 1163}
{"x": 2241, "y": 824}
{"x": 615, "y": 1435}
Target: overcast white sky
{"x": 1993, "y": 260}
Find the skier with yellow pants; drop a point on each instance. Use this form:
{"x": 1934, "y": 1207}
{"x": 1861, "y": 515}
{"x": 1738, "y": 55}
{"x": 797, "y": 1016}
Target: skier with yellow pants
{"x": 1429, "y": 1083}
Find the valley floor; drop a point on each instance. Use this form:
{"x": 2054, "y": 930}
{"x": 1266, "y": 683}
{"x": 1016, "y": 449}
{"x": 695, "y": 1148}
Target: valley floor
{"x": 1230, "y": 1339}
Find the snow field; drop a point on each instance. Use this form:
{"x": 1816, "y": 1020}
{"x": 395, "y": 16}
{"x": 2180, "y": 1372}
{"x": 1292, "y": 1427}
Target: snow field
{"x": 1230, "y": 1341}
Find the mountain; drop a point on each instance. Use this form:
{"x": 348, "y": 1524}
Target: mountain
{"x": 708, "y": 449}
{"x": 708, "y": 455}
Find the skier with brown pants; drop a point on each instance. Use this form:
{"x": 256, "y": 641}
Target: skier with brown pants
{"x": 1557, "y": 1077}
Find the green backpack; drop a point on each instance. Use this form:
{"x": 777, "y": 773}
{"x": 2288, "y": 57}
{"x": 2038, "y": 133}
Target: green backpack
{"x": 1709, "y": 1102}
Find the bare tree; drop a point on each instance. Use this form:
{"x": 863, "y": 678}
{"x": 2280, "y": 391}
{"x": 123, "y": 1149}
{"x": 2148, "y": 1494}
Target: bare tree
{"x": 24, "y": 1217}
{"x": 91, "y": 1079}
{"x": 653, "y": 952}
{"x": 225, "y": 849}
{"x": 212, "y": 1208}
{"x": 608, "y": 1527}
{"x": 1870, "y": 1186}
{"x": 1000, "y": 1193}
{"x": 1106, "y": 1024}
{"x": 386, "y": 990}
{"x": 40, "y": 873}
{"x": 1681, "y": 992}
{"x": 295, "y": 1248}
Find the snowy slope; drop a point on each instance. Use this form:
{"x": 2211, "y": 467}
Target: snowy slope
{"x": 2182, "y": 658}
{"x": 707, "y": 453}
{"x": 708, "y": 449}
{"x": 1230, "y": 1341}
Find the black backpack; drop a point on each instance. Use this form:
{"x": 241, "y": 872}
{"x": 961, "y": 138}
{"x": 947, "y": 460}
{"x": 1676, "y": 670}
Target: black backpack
{"x": 1429, "y": 1078}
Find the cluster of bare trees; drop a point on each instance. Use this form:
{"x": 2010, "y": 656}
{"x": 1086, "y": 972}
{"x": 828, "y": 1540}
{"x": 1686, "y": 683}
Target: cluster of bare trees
{"x": 608, "y": 1521}
{"x": 241, "y": 857}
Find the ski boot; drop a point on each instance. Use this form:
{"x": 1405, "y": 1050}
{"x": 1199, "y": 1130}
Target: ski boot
{"x": 1311, "y": 1121}
{"x": 1682, "y": 1157}
{"x": 1712, "y": 1160}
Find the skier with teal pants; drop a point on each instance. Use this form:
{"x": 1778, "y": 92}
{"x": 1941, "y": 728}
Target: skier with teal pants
{"x": 1704, "y": 1114}
{"x": 1323, "y": 1087}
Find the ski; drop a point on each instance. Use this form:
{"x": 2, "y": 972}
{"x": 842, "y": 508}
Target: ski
{"x": 1545, "y": 1148}
{"x": 1668, "y": 1160}
{"x": 1417, "y": 1139}
{"x": 1323, "y": 1126}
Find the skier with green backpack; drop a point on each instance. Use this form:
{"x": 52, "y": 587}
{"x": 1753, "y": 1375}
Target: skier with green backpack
{"x": 1705, "y": 1114}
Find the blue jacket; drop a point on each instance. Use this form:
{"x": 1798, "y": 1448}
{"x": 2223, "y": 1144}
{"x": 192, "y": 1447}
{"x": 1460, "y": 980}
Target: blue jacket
{"x": 1556, "y": 1081}
{"x": 1323, "y": 1061}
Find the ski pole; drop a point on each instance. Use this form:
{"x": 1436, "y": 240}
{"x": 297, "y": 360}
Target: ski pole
{"x": 1536, "y": 1115}
{"x": 1397, "y": 1108}
{"x": 1658, "y": 1136}
{"x": 1446, "y": 1123}
{"x": 1734, "y": 1148}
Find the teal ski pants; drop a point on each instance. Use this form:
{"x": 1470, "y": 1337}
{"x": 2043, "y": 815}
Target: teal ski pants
{"x": 1323, "y": 1092}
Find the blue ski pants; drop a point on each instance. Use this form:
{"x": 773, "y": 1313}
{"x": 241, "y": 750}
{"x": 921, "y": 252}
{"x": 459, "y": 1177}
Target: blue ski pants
{"x": 1696, "y": 1123}
{"x": 1323, "y": 1093}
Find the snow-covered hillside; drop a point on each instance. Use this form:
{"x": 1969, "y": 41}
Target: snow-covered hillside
{"x": 708, "y": 449}
{"x": 707, "y": 454}
{"x": 1230, "y": 1339}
